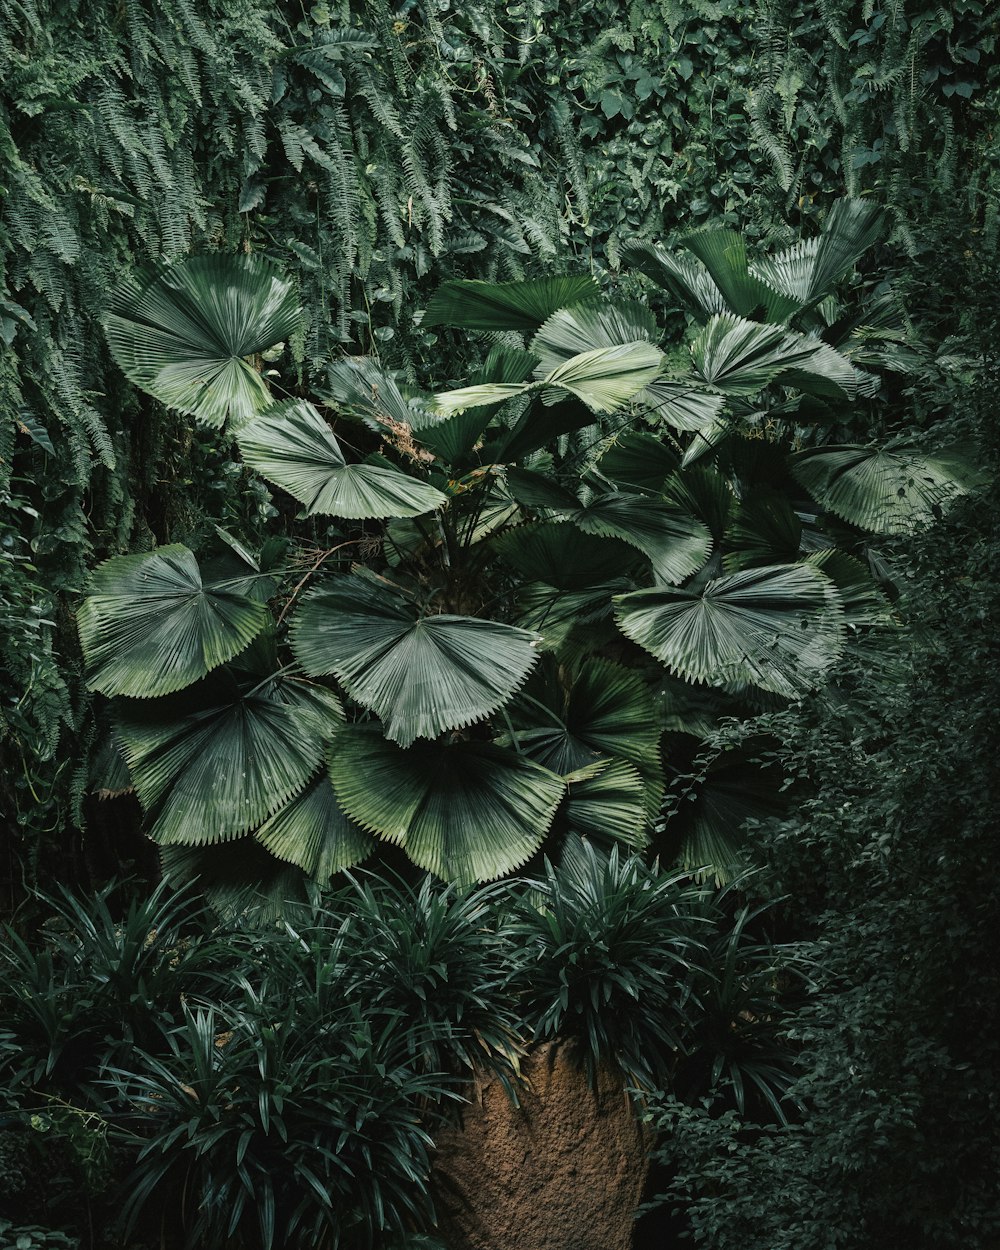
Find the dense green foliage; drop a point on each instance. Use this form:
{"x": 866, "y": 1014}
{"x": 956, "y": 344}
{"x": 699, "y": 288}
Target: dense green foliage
{"x": 249, "y": 1089}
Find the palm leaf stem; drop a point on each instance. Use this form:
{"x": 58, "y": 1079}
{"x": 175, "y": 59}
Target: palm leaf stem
{"x": 323, "y": 555}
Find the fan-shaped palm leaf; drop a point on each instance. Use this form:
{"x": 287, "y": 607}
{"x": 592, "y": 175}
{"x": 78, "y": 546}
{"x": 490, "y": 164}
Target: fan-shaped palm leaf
{"x": 466, "y": 811}
{"x": 639, "y": 460}
{"x": 559, "y": 555}
{"x": 682, "y": 405}
{"x": 312, "y": 832}
{"x": 240, "y": 879}
{"x": 149, "y": 626}
{"x": 765, "y": 530}
{"x": 590, "y": 325}
{"x": 864, "y": 603}
{"x": 505, "y": 305}
{"x": 421, "y": 674}
{"x": 675, "y": 543}
{"x": 690, "y": 284}
{"x": 702, "y": 492}
{"x": 776, "y": 628}
{"x": 807, "y": 271}
{"x": 607, "y": 377}
{"x": 218, "y": 760}
{"x": 609, "y": 806}
{"x": 723, "y": 253}
{"x": 292, "y": 446}
{"x": 741, "y": 357}
{"x": 889, "y": 492}
{"x": 538, "y": 427}
{"x": 569, "y": 716}
{"x": 362, "y": 389}
{"x": 181, "y": 332}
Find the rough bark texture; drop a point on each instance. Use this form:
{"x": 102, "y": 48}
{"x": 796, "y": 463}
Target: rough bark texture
{"x": 564, "y": 1171}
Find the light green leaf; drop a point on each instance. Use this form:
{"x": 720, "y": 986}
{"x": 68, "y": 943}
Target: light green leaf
{"x": 149, "y": 626}
{"x": 312, "y": 832}
{"x": 590, "y": 325}
{"x": 741, "y": 357}
{"x": 293, "y": 447}
{"x": 466, "y": 811}
{"x": 607, "y": 377}
{"x": 778, "y": 628}
{"x": 681, "y": 405}
{"x": 421, "y": 674}
{"x": 182, "y": 332}
{"x": 485, "y": 394}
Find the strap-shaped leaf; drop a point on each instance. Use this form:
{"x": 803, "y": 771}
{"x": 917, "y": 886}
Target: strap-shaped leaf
{"x": 466, "y": 811}
{"x": 293, "y": 447}
{"x": 675, "y": 543}
{"x": 420, "y": 674}
{"x": 586, "y": 326}
{"x": 208, "y": 764}
{"x": 149, "y": 626}
{"x": 607, "y": 377}
{"x": 312, "y": 832}
{"x": 741, "y": 357}
{"x": 478, "y": 305}
{"x": 888, "y": 492}
{"x": 181, "y": 332}
{"x": 609, "y": 806}
{"x": 778, "y": 628}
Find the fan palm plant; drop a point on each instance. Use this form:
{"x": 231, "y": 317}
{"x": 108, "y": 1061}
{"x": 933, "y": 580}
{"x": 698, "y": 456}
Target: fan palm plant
{"x": 529, "y": 578}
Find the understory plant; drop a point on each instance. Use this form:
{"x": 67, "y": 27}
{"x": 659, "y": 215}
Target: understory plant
{"x": 505, "y": 612}
{"x": 283, "y": 1086}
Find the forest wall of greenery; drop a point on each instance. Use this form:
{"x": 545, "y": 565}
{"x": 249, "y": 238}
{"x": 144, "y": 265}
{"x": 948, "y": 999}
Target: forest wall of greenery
{"x": 373, "y": 152}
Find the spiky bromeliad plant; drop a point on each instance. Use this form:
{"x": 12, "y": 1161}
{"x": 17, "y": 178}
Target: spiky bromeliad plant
{"x": 519, "y": 585}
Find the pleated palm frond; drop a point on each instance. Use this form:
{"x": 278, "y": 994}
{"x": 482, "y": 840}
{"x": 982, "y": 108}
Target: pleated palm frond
{"x": 466, "y": 811}
{"x": 539, "y": 426}
{"x": 826, "y": 374}
{"x": 723, "y": 253}
{"x": 681, "y": 405}
{"x": 764, "y": 530}
{"x": 808, "y": 270}
{"x": 149, "y": 626}
{"x": 182, "y": 333}
{"x": 454, "y": 438}
{"x": 688, "y": 282}
{"x": 293, "y": 447}
{"x": 312, "y": 832}
{"x": 421, "y": 674}
{"x": 609, "y": 805}
{"x": 675, "y": 543}
{"x": 476, "y": 305}
{"x": 887, "y": 492}
{"x": 241, "y": 881}
{"x": 777, "y": 628}
{"x": 561, "y": 556}
{"x": 639, "y": 460}
{"x": 450, "y": 404}
{"x": 219, "y": 759}
{"x": 606, "y": 378}
{"x": 570, "y": 716}
{"x": 587, "y": 326}
{"x": 741, "y": 357}
{"x": 864, "y": 603}
{"x": 362, "y": 389}
{"x": 540, "y": 491}
{"x": 703, "y": 492}
{"x": 711, "y": 828}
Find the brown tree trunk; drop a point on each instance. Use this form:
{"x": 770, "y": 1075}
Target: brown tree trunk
{"x": 564, "y": 1171}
